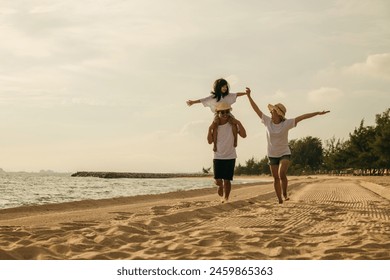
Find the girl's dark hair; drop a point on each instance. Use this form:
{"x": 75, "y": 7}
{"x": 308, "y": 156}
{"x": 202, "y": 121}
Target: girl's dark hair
{"x": 218, "y": 84}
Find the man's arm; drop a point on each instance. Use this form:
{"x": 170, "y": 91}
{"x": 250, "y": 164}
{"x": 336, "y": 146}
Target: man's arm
{"x": 241, "y": 128}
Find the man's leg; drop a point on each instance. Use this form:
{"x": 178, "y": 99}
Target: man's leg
{"x": 219, "y": 183}
{"x": 227, "y": 186}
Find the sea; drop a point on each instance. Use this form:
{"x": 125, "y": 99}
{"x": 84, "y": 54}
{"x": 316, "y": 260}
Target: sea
{"x": 27, "y": 189}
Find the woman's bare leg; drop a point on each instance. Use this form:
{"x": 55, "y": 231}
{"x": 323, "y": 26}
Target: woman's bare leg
{"x": 275, "y": 173}
{"x": 283, "y": 167}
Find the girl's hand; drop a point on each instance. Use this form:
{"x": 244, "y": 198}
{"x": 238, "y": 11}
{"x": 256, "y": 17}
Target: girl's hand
{"x": 323, "y": 112}
{"x": 248, "y": 91}
{"x": 190, "y": 102}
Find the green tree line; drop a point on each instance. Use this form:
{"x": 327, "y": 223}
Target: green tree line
{"x": 366, "y": 152}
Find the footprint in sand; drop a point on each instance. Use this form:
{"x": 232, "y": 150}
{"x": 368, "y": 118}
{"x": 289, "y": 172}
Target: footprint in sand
{"x": 78, "y": 225}
{"x": 153, "y": 223}
{"x": 120, "y": 216}
{"x": 160, "y": 210}
{"x": 209, "y": 242}
{"x": 272, "y": 252}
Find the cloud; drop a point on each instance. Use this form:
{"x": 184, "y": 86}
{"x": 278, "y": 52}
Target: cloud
{"x": 359, "y": 8}
{"x": 232, "y": 79}
{"x": 325, "y": 95}
{"x": 373, "y": 73}
{"x": 87, "y": 101}
{"x": 279, "y": 95}
{"x": 376, "y": 65}
{"x": 276, "y": 96}
{"x": 194, "y": 127}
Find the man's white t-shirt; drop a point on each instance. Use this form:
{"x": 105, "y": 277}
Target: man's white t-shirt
{"x": 212, "y": 102}
{"x": 225, "y": 143}
{"x": 277, "y": 136}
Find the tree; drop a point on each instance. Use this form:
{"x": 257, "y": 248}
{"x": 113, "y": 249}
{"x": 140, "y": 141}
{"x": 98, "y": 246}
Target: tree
{"x": 306, "y": 154}
{"x": 360, "y": 151}
{"x": 264, "y": 166}
{"x": 253, "y": 167}
{"x": 367, "y": 149}
{"x": 381, "y": 143}
{"x": 335, "y": 155}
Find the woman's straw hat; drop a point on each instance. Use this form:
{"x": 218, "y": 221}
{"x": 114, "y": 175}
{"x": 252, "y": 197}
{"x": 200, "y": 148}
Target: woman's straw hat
{"x": 279, "y": 108}
{"x": 222, "y": 106}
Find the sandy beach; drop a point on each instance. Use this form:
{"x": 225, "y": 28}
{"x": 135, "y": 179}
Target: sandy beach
{"x": 325, "y": 218}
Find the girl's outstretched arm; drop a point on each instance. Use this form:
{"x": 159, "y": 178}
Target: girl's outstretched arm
{"x": 309, "y": 115}
{"x": 192, "y": 102}
{"x": 253, "y": 104}
{"x": 242, "y": 93}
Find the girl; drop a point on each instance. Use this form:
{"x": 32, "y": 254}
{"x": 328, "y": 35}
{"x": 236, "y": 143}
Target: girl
{"x": 219, "y": 94}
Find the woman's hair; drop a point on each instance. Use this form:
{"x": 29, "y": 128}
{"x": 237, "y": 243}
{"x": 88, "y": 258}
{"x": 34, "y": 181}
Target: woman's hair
{"x": 218, "y": 84}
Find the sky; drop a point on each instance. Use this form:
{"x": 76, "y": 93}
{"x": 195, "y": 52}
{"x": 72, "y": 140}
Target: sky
{"x": 101, "y": 85}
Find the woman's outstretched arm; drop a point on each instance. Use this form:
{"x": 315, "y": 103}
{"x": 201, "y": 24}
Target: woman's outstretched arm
{"x": 253, "y": 103}
{"x": 309, "y": 115}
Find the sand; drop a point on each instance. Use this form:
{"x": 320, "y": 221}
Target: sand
{"x": 325, "y": 218}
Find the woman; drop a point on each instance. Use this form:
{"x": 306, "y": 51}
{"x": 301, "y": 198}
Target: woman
{"x": 278, "y": 151}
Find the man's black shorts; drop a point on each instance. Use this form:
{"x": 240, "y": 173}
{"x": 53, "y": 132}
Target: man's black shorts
{"x": 224, "y": 168}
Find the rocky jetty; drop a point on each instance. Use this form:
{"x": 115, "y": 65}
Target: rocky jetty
{"x": 116, "y": 175}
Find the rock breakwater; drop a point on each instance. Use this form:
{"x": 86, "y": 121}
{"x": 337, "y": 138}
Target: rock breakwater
{"x": 116, "y": 175}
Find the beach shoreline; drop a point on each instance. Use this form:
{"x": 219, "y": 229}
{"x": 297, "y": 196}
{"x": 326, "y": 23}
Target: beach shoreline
{"x": 34, "y": 210}
{"x": 327, "y": 217}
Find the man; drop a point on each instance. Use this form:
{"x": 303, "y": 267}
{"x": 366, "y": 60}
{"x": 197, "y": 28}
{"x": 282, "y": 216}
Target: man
{"x": 225, "y": 154}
